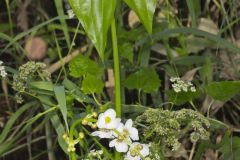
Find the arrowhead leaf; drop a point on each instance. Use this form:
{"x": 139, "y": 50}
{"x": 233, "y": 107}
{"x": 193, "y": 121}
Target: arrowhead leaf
{"x": 95, "y": 17}
{"x": 145, "y": 10}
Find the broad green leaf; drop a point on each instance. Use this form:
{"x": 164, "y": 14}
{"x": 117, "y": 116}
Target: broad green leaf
{"x": 95, "y": 17}
{"x": 92, "y": 84}
{"x": 182, "y": 97}
{"x": 62, "y": 101}
{"x": 145, "y": 10}
{"x": 126, "y": 51}
{"x": 82, "y": 65}
{"x": 224, "y": 90}
{"x": 145, "y": 79}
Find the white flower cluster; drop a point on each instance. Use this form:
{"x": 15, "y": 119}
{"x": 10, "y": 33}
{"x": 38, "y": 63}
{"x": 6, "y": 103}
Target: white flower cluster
{"x": 179, "y": 85}
{"x": 3, "y": 72}
{"x": 123, "y": 135}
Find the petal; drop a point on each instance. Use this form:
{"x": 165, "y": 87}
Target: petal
{"x": 112, "y": 143}
{"x": 133, "y": 133}
{"x": 145, "y": 150}
{"x": 100, "y": 122}
{"x": 129, "y": 157}
{"x": 129, "y": 123}
{"x": 120, "y": 127}
{"x": 112, "y": 124}
{"x": 121, "y": 146}
{"x": 103, "y": 134}
{"x": 110, "y": 112}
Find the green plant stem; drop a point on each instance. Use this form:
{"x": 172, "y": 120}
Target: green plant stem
{"x": 71, "y": 132}
{"x": 116, "y": 70}
{"x": 9, "y": 16}
{"x": 117, "y": 76}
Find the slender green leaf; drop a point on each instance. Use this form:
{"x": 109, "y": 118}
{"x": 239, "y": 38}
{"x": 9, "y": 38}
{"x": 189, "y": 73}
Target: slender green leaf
{"x": 12, "y": 120}
{"x": 224, "y": 90}
{"x": 60, "y": 11}
{"x": 145, "y": 10}
{"x": 44, "y": 85}
{"x": 194, "y": 10}
{"x": 95, "y": 17}
{"x": 223, "y": 43}
{"x": 62, "y": 102}
{"x": 76, "y": 92}
{"x": 23, "y": 34}
{"x": 56, "y": 123}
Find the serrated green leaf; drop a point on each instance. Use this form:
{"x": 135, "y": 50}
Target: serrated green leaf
{"x": 126, "y": 51}
{"x": 145, "y": 79}
{"x": 182, "y": 97}
{"x": 95, "y": 17}
{"x": 82, "y": 65}
{"x": 145, "y": 10}
{"x": 92, "y": 84}
{"x": 224, "y": 90}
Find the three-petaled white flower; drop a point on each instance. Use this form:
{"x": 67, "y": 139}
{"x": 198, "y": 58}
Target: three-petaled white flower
{"x": 137, "y": 151}
{"x": 125, "y": 134}
{"x": 108, "y": 120}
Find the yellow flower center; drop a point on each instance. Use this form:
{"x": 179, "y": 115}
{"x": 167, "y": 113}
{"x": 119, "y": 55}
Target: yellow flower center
{"x": 107, "y": 120}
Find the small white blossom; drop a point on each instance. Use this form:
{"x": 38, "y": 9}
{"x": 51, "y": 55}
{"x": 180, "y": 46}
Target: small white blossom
{"x": 3, "y": 72}
{"x": 137, "y": 151}
{"x": 128, "y": 130}
{"x": 179, "y": 85}
{"x": 125, "y": 134}
{"x": 70, "y": 13}
{"x": 108, "y": 120}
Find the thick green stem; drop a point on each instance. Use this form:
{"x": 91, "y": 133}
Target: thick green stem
{"x": 117, "y": 76}
{"x": 116, "y": 70}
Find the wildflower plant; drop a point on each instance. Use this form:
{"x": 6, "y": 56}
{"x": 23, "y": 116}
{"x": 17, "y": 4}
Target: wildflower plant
{"x": 28, "y": 72}
{"x": 122, "y": 135}
{"x": 79, "y": 100}
{"x": 167, "y": 127}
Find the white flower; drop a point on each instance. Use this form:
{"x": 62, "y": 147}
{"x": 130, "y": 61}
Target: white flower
{"x": 179, "y": 85}
{"x": 3, "y": 72}
{"x": 119, "y": 144}
{"x": 193, "y": 89}
{"x": 104, "y": 133}
{"x": 108, "y": 120}
{"x": 125, "y": 134}
{"x": 137, "y": 151}
{"x": 70, "y": 13}
{"x": 128, "y": 130}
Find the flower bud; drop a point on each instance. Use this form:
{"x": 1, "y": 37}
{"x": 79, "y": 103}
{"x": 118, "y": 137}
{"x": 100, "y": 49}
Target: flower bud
{"x": 84, "y": 122}
{"x": 81, "y": 135}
